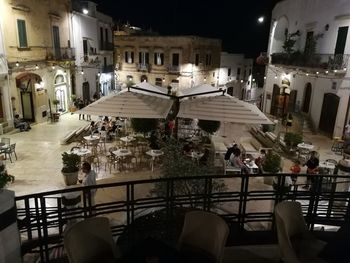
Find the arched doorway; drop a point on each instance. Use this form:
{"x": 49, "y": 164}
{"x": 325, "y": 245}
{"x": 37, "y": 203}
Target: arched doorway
{"x": 230, "y": 91}
{"x": 329, "y": 113}
{"x": 275, "y": 100}
{"x": 144, "y": 78}
{"x": 307, "y": 97}
{"x": 61, "y": 92}
{"x": 25, "y": 82}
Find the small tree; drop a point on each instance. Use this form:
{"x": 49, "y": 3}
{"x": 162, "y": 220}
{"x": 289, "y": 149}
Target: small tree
{"x": 56, "y": 103}
{"x": 144, "y": 125}
{"x": 290, "y": 41}
{"x": 209, "y": 126}
{"x": 177, "y": 164}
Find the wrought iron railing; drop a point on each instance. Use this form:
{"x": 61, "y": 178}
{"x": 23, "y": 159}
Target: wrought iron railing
{"x": 60, "y": 53}
{"x": 319, "y": 61}
{"x": 42, "y": 217}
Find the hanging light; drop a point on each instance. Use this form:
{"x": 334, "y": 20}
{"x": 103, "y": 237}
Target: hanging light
{"x": 335, "y": 71}
{"x": 264, "y": 77}
{"x": 241, "y": 80}
{"x": 163, "y": 79}
{"x": 307, "y": 74}
{"x": 98, "y": 74}
{"x": 17, "y": 64}
{"x": 82, "y": 72}
{"x": 344, "y": 68}
{"x": 253, "y": 80}
{"x": 317, "y": 72}
{"x": 53, "y": 67}
{"x": 326, "y": 71}
{"x": 36, "y": 66}
{"x": 205, "y": 79}
{"x": 276, "y": 76}
{"x": 178, "y": 78}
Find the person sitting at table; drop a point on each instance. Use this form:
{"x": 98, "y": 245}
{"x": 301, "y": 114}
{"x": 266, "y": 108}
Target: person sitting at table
{"x": 205, "y": 158}
{"x": 237, "y": 162}
{"x": 22, "y": 125}
{"x": 230, "y": 151}
{"x": 93, "y": 128}
{"x": 295, "y": 169}
{"x": 260, "y": 160}
{"x": 153, "y": 139}
{"x": 312, "y": 168}
{"x": 188, "y": 148}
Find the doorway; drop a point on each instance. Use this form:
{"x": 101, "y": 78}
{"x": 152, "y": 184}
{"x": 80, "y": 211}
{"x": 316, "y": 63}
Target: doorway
{"x": 27, "y": 106}
{"x": 56, "y": 42}
{"x": 329, "y": 113}
{"x": 86, "y": 91}
{"x": 307, "y": 97}
{"x": 274, "y": 100}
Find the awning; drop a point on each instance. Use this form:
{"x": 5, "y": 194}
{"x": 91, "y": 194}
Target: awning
{"x": 223, "y": 108}
{"x": 147, "y": 86}
{"x": 129, "y": 104}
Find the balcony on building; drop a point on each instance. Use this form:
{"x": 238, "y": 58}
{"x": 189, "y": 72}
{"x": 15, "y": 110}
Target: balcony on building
{"x": 105, "y": 46}
{"x": 107, "y": 69}
{"x": 315, "y": 61}
{"x": 173, "y": 69}
{"x": 59, "y": 54}
{"x": 143, "y": 67}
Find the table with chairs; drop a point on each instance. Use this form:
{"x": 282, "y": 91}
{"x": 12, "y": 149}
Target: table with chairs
{"x": 154, "y": 154}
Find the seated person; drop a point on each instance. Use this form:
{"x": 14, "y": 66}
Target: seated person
{"x": 93, "y": 128}
{"x": 188, "y": 148}
{"x": 230, "y": 151}
{"x": 22, "y": 125}
{"x": 237, "y": 162}
{"x": 205, "y": 158}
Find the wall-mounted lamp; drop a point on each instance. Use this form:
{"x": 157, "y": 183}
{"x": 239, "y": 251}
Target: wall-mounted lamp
{"x": 36, "y": 66}
{"x": 17, "y": 64}
{"x": 85, "y": 11}
{"x": 205, "y": 79}
{"x": 53, "y": 67}
{"x": 82, "y": 72}
{"x": 98, "y": 74}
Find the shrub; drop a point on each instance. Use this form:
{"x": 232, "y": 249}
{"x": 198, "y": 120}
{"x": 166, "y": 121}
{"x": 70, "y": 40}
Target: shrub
{"x": 209, "y": 126}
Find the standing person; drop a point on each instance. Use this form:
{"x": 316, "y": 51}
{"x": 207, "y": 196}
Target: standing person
{"x": 80, "y": 106}
{"x": 88, "y": 117}
{"x": 312, "y": 168}
{"x": 89, "y": 179}
{"x": 295, "y": 169}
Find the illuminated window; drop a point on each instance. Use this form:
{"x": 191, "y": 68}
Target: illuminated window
{"x": 143, "y": 58}
{"x": 129, "y": 57}
{"x": 159, "y": 58}
{"x": 229, "y": 72}
{"x": 22, "y": 33}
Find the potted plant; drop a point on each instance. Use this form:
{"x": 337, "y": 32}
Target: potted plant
{"x": 271, "y": 165}
{"x": 5, "y": 178}
{"x": 70, "y": 167}
{"x": 209, "y": 126}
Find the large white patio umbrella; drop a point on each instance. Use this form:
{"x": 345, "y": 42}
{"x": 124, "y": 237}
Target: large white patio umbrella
{"x": 223, "y": 108}
{"x": 203, "y": 88}
{"x": 151, "y": 88}
{"x": 129, "y": 104}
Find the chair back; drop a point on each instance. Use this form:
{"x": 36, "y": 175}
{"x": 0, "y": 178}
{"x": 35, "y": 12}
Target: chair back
{"x": 13, "y": 147}
{"x": 5, "y": 140}
{"x": 204, "y": 231}
{"x": 290, "y": 223}
{"x": 90, "y": 241}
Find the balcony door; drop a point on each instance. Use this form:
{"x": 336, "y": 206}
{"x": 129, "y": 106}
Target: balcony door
{"x": 329, "y": 113}
{"x": 341, "y": 40}
{"x": 56, "y": 41}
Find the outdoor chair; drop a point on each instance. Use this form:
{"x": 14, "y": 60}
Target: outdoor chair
{"x": 5, "y": 141}
{"x": 90, "y": 241}
{"x": 203, "y": 233}
{"x": 9, "y": 151}
{"x": 296, "y": 243}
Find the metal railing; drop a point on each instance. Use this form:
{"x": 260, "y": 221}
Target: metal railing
{"x": 42, "y": 217}
{"x": 107, "y": 69}
{"x": 143, "y": 67}
{"x": 172, "y": 68}
{"x": 320, "y": 61}
{"x": 60, "y": 53}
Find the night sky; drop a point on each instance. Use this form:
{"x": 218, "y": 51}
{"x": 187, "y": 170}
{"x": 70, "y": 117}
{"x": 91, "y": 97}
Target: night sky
{"x": 234, "y": 22}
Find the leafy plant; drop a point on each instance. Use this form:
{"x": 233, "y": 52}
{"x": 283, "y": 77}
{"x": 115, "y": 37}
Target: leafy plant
{"x": 292, "y": 139}
{"x": 56, "y": 103}
{"x": 177, "y": 164}
{"x": 144, "y": 125}
{"x": 289, "y": 42}
{"x": 71, "y": 162}
{"x": 5, "y": 178}
{"x": 272, "y": 162}
{"x": 209, "y": 126}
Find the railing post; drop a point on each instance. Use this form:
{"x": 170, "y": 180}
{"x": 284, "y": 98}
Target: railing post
{"x": 44, "y": 228}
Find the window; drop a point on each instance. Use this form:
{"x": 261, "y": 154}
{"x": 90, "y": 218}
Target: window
{"x": 105, "y": 62}
{"x": 22, "y": 33}
{"x": 196, "y": 60}
{"x": 85, "y": 47}
{"x": 208, "y": 59}
{"x": 106, "y": 35}
{"x": 176, "y": 59}
{"x": 238, "y": 73}
{"x": 101, "y": 38}
{"x": 229, "y": 72}
{"x": 250, "y": 71}
{"x": 143, "y": 58}
{"x": 158, "y": 58}
{"x": 129, "y": 57}
{"x": 159, "y": 82}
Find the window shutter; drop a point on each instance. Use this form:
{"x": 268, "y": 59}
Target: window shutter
{"x": 22, "y": 33}
{"x": 140, "y": 57}
{"x": 162, "y": 58}
{"x": 147, "y": 58}
{"x": 132, "y": 57}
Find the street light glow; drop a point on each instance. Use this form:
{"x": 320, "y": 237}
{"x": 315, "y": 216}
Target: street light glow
{"x": 85, "y": 11}
{"x": 261, "y": 19}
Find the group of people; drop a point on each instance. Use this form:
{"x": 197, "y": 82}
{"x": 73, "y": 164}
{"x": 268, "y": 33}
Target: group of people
{"x": 106, "y": 128}
{"x": 233, "y": 155}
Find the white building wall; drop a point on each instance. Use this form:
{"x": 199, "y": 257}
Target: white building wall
{"x": 321, "y": 17}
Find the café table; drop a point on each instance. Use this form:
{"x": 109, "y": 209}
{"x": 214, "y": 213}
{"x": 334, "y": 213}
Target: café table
{"x": 127, "y": 139}
{"x": 81, "y": 151}
{"x": 154, "y": 154}
{"x": 305, "y": 146}
{"x": 252, "y": 167}
{"x": 91, "y": 137}
{"x": 121, "y": 154}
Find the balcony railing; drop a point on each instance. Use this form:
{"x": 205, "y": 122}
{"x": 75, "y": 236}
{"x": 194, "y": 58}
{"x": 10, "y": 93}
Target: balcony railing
{"x": 60, "y": 53}
{"x": 42, "y": 216}
{"x": 172, "y": 68}
{"x": 107, "y": 46}
{"x": 107, "y": 69}
{"x": 143, "y": 67}
{"x": 320, "y": 61}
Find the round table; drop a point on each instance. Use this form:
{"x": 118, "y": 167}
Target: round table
{"x": 81, "y": 151}
{"x": 306, "y": 146}
{"x": 91, "y": 137}
{"x": 127, "y": 139}
{"x": 154, "y": 154}
{"x": 121, "y": 153}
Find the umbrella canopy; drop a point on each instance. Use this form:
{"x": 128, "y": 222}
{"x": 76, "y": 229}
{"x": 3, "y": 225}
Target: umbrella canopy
{"x": 200, "y": 89}
{"x": 222, "y": 108}
{"x": 129, "y": 104}
{"x": 147, "y": 86}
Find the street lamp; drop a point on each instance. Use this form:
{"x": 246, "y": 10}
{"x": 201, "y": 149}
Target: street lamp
{"x": 261, "y": 20}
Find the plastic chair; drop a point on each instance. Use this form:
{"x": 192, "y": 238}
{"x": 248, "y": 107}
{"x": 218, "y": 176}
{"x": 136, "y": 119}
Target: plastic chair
{"x": 296, "y": 243}
{"x": 203, "y": 232}
{"x": 90, "y": 241}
